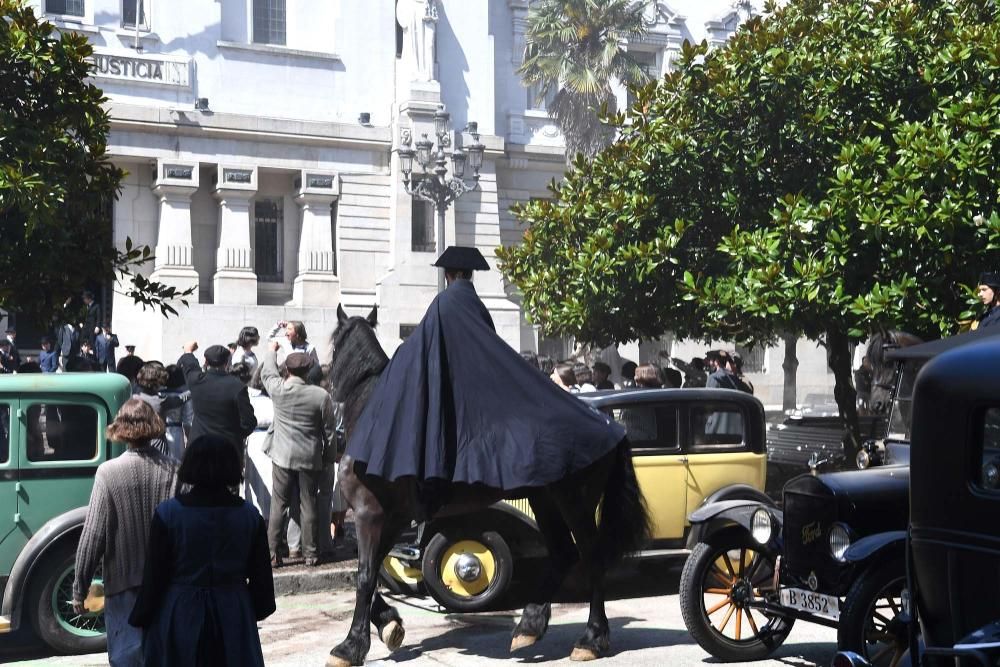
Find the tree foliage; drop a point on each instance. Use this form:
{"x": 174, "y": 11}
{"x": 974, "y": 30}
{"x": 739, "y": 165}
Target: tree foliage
{"x": 577, "y": 48}
{"x": 832, "y": 170}
{"x": 56, "y": 181}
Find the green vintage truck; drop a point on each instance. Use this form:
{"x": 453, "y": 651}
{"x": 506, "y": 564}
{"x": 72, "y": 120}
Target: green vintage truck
{"x": 51, "y": 442}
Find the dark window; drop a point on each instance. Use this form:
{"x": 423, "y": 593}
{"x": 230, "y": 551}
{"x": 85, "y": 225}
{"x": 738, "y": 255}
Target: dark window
{"x": 65, "y": 7}
{"x": 422, "y": 227}
{"x": 399, "y": 35}
{"x": 267, "y": 223}
{"x": 648, "y": 426}
{"x": 988, "y": 473}
{"x": 4, "y": 433}
{"x": 269, "y": 22}
{"x": 333, "y": 233}
{"x": 753, "y": 358}
{"x": 62, "y": 432}
{"x": 647, "y": 63}
{"x": 128, "y": 14}
{"x": 538, "y": 101}
{"x": 716, "y": 426}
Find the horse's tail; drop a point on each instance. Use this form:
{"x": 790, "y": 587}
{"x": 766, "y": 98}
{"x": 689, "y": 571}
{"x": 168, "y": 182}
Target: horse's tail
{"x": 624, "y": 526}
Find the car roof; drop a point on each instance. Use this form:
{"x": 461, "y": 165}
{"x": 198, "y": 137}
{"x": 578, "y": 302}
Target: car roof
{"x": 110, "y": 386}
{"x": 612, "y": 397}
{"x": 925, "y": 351}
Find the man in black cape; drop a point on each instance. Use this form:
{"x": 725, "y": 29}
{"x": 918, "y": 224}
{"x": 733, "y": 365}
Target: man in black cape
{"x": 456, "y": 404}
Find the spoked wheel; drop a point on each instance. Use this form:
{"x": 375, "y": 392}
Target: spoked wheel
{"x": 723, "y": 585}
{"x": 51, "y": 606}
{"x": 870, "y": 623}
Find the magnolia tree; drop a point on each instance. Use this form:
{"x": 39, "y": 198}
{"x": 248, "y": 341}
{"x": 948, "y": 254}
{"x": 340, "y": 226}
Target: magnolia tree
{"x": 830, "y": 172}
{"x": 56, "y": 181}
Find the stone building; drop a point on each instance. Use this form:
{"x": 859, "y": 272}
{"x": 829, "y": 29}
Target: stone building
{"x": 260, "y": 140}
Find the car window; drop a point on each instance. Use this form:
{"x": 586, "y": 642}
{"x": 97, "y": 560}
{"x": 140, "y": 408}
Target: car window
{"x": 62, "y": 432}
{"x": 4, "y": 433}
{"x": 988, "y": 473}
{"x": 648, "y": 426}
{"x": 716, "y": 426}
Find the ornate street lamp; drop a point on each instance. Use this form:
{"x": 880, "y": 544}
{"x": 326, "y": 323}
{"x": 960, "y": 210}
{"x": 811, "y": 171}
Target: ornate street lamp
{"x": 439, "y": 189}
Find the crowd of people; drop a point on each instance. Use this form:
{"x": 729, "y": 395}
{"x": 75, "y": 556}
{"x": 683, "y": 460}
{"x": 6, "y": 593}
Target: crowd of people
{"x": 719, "y": 368}
{"x": 182, "y": 552}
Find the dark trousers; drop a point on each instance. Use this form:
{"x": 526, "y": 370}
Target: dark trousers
{"x": 282, "y": 480}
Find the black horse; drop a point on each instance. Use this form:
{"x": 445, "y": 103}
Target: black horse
{"x": 565, "y": 512}
{"x": 883, "y": 371}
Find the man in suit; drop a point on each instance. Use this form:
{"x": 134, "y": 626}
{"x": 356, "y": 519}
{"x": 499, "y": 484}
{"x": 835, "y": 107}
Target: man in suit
{"x": 104, "y": 347}
{"x": 91, "y": 320}
{"x": 302, "y": 440}
{"x": 220, "y": 401}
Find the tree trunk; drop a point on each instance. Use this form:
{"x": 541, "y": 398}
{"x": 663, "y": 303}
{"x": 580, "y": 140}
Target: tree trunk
{"x": 790, "y": 365}
{"x": 839, "y": 351}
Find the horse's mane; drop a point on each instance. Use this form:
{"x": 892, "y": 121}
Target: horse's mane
{"x": 881, "y": 341}
{"x": 358, "y": 360}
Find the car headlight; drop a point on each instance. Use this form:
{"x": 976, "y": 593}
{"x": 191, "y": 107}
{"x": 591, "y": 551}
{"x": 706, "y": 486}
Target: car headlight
{"x": 863, "y": 459}
{"x": 761, "y": 526}
{"x": 991, "y": 475}
{"x": 840, "y": 540}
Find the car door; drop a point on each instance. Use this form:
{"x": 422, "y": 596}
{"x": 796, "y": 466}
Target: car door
{"x": 719, "y": 451}
{"x": 11, "y": 539}
{"x": 62, "y": 446}
{"x": 653, "y": 431}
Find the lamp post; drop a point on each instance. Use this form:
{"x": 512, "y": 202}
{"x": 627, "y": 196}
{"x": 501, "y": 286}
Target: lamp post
{"x": 438, "y": 188}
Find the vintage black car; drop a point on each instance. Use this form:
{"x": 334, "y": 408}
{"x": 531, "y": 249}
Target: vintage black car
{"x": 833, "y": 554}
{"x": 953, "y": 548}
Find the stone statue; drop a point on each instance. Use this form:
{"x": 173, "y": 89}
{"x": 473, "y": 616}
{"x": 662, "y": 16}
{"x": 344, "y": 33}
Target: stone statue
{"x": 419, "y": 21}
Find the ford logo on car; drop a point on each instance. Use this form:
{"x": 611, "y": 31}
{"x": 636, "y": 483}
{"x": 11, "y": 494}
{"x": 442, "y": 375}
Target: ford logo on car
{"x": 811, "y": 532}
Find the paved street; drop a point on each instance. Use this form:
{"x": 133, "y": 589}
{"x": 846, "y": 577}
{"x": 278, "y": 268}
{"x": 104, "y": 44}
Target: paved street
{"x": 645, "y": 631}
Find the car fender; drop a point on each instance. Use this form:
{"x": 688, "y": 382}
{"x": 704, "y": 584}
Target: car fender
{"x": 33, "y": 553}
{"x": 868, "y": 546}
{"x": 738, "y": 492}
{"x": 709, "y": 519}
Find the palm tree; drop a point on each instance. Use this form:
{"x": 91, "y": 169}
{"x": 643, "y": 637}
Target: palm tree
{"x": 577, "y": 48}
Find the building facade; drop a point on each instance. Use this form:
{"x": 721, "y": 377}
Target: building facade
{"x": 259, "y": 137}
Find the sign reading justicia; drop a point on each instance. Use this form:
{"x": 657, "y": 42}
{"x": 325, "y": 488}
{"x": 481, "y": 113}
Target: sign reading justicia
{"x": 155, "y": 69}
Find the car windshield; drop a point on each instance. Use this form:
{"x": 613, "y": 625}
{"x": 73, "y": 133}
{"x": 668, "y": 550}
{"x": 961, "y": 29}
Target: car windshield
{"x": 901, "y": 413}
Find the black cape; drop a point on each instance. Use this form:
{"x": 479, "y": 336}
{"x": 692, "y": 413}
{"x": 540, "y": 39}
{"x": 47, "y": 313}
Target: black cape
{"x": 457, "y": 404}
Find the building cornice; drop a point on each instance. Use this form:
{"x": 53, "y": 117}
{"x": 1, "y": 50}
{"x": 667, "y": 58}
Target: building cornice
{"x": 166, "y": 120}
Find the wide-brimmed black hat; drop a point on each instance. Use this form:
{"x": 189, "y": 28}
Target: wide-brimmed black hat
{"x": 990, "y": 279}
{"x": 462, "y": 258}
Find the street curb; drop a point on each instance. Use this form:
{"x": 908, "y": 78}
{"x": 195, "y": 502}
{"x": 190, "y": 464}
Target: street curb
{"x": 314, "y": 581}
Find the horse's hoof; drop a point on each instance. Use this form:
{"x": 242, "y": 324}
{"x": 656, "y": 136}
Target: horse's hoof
{"x": 392, "y": 635}
{"x": 521, "y": 641}
{"x": 581, "y": 654}
{"x": 337, "y": 661}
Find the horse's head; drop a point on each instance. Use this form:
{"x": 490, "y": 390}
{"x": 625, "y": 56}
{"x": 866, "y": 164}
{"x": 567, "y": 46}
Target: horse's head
{"x": 357, "y": 354}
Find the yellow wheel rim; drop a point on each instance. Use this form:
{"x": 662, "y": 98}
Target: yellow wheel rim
{"x": 487, "y": 571}
{"x": 401, "y": 572}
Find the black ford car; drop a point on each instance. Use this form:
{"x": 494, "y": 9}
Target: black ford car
{"x": 833, "y": 554}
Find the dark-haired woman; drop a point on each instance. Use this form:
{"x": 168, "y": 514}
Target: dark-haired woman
{"x": 126, "y": 491}
{"x": 248, "y": 339}
{"x": 149, "y": 384}
{"x": 208, "y": 578}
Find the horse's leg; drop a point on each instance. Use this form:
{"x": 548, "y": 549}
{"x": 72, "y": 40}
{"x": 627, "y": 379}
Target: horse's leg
{"x": 384, "y": 617}
{"x": 579, "y": 514}
{"x": 372, "y": 524}
{"x": 562, "y": 554}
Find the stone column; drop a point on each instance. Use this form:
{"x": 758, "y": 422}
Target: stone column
{"x": 234, "y": 281}
{"x": 174, "y": 185}
{"x": 316, "y": 283}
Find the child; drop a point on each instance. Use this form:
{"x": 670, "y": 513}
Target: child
{"x": 208, "y": 578}
{"x": 48, "y": 358}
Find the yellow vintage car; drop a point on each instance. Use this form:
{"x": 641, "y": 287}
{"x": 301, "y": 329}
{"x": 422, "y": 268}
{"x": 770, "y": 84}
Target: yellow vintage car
{"x": 689, "y": 447}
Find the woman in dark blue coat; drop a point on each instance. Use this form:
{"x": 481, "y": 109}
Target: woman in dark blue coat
{"x": 208, "y": 575}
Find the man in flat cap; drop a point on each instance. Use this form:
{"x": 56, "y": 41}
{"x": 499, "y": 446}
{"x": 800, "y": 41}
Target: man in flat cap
{"x": 989, "y": 294}
{"x": 220, "y": 401}
{"x": 301, "y": 441}
{"x": 457, "y": 404}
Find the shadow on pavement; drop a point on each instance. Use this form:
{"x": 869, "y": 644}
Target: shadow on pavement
{"x": 492, "y": 640}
